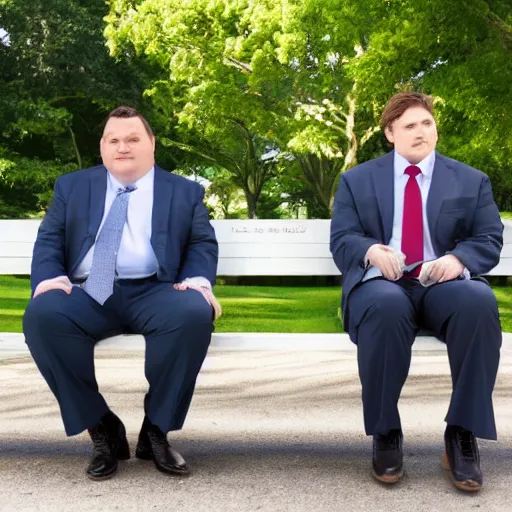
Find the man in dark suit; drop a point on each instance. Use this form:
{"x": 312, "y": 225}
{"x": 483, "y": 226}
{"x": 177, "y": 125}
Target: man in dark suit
{"x": 417, "y": 203}
{"x": 124, "y": 247}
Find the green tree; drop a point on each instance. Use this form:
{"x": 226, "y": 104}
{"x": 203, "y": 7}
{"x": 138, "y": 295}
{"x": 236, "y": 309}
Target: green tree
{"x": 57, "y": 83}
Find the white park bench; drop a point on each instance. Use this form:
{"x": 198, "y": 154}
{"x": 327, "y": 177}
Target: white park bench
{"x": 246, "y": 248}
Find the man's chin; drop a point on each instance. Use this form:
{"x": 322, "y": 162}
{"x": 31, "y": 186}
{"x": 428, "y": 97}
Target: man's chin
{"x": 124, "y": 173}
{"x": 123, "y": 167}
{"x": 420, "y": 153}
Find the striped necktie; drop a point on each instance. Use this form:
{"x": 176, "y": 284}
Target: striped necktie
{"x": 100, "y": 283}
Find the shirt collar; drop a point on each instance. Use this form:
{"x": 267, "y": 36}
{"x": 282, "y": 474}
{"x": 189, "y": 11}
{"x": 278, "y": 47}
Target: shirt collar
{"x": 144, "y": 183}
{"x": 426, "y": 165}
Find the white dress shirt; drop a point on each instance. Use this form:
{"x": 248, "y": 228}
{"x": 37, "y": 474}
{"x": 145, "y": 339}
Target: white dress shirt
{"x": 424, "y": 180}
{"x": 135, "y": 258}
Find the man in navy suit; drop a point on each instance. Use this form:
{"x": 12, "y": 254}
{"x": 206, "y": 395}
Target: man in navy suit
{"x": 417, "y": 203}
{"x": 124, "y": 247}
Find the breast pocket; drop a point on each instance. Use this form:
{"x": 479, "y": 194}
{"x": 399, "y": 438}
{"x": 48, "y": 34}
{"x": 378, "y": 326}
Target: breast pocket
{"x": 453, "y": 221}
{"x": 458, "y": 207}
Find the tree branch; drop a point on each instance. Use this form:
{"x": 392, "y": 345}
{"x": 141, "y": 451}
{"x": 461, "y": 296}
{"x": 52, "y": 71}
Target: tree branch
{"x": 242, "y": 66}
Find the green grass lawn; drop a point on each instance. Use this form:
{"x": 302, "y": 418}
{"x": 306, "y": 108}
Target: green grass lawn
{"x": 506, "y": 215}
{"x": 246, "y": 308}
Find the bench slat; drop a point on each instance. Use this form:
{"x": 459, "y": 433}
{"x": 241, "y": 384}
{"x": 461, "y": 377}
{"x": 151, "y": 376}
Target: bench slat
{"x": 246, "y": 247}
{"x": 276, "y": 267}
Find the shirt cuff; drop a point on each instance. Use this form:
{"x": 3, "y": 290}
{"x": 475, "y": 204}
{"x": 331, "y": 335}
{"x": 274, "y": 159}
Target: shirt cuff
{"x": 198, "y": 281}
{"x": 366, "y": 261}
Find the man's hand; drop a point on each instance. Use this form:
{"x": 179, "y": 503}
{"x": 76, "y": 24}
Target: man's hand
{"x": 57, "y": 283}
{"x": 386, "y": 260}
{"x": 205, "y": 292}
{"x": 443, "y": 269}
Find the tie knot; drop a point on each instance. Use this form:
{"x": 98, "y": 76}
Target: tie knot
{"x": 126, "y": 190}
{"x": 413, "y": 171}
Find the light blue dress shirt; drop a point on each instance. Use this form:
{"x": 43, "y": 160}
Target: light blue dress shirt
{"x": 135, "y": 258}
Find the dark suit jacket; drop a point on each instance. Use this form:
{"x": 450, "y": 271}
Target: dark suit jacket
{"x": 463, "y": 218}
{"x": 182, "y": 236}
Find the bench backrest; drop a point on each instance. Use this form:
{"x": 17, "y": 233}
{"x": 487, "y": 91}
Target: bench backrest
{"x": 246, "y": 247}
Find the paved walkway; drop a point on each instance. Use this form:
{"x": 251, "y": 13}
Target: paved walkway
{"x": 268, "y": 430}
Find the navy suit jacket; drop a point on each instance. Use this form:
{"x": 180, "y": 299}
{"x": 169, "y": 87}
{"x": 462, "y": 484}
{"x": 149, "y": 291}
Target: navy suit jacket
{"x": 182, "y": 236}
{"x": 463, "y": 218}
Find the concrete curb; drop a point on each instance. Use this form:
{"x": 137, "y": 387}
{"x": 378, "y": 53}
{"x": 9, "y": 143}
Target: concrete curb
{"x": 15, "y": 342}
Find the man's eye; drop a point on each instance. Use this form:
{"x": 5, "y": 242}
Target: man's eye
{"x": 113, "y": 141}
{"x": 134, "y": 140}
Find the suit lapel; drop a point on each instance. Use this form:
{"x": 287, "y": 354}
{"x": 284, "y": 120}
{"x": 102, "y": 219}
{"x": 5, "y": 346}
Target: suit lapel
{"x": 383, "y": 180}
{"x": 443, "y": 183}
{"x": 162, "y": 196}
{"x": 98, "y": 191}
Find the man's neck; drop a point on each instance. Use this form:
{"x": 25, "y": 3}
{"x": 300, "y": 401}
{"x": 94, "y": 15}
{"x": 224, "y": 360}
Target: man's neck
{"x": 129, "y": 178}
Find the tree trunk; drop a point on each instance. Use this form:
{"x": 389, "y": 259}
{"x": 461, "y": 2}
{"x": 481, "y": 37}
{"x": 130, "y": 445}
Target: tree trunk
{"x": 251, "y": 204}
{"x": 75, "y": 146}
{"x": 352, "y": 142}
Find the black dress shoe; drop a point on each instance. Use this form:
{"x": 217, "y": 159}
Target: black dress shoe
{"x": 153, "y": 445}
{"x": 462, "y": 459}
{"x": 110, "y": 446}
{"x": 388, "y": 457}
{"x": 144, "y": 450}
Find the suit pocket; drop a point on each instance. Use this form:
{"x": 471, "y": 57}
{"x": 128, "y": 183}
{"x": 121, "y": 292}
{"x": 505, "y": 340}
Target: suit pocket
{"x": 457, "y": 207}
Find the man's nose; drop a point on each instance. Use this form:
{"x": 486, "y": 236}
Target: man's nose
{"x": 123, "y": 147}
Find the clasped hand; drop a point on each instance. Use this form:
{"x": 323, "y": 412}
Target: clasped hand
{"x": 445, "y": 268}
{"x": 391, "y": 264}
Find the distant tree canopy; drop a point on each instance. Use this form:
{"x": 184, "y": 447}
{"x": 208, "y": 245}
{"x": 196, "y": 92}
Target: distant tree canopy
{"x": 273, "y": 99}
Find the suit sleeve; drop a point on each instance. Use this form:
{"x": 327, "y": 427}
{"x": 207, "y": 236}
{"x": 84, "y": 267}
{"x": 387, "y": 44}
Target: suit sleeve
{"x": 349, "y": 244}
{"x": 202, "y": 252}
{"x": 480, "y": 252}
{"x": 48, "y": 259}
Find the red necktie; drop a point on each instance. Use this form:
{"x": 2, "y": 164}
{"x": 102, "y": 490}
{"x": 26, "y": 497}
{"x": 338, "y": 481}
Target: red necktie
{"x": 412, "y": 222}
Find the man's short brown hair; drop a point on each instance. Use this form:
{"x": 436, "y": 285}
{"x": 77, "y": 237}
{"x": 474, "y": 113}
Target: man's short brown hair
{"x": 127, "y": 112}
{"x": 400, "y": 102}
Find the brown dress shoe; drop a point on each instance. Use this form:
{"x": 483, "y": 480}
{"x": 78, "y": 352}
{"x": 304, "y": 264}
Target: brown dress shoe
{"x": 388, "y": 457}
{"x": 462, "y": 459}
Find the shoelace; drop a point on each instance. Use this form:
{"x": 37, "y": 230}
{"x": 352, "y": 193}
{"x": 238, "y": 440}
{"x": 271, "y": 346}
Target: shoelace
{"x": 466, "y": 444}
{"x": 389, "y": 441}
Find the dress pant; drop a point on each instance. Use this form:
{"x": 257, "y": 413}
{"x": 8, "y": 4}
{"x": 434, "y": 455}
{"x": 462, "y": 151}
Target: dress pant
{"x": 62, "y": 330}
{"x": 385, "y": 317}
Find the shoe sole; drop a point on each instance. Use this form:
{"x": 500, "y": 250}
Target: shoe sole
{"x": 466, "y": 485}
{"x": 142, "y": 456}
{"x": 101, "y": 478}
{"x": 388, "y": 479}
{"x": 173, "y": 473}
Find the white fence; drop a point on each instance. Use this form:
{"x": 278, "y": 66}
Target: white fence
{"x": 246, "y": 247}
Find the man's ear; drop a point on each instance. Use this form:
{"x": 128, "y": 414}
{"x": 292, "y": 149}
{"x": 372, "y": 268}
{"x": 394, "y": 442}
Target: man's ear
{"x": 389, "y": 134}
